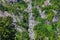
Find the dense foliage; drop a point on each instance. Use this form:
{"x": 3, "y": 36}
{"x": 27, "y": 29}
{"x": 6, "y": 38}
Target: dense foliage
{"x": 44, "y": 29}
{"x": 22, "y": 36}
{"x": 7, "y": 30}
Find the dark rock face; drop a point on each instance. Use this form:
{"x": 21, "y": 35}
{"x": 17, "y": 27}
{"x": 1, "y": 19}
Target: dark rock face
{"x": 11, "y": 1}
{"x": 18, "y": 0}
{"x": 11, "y": 28}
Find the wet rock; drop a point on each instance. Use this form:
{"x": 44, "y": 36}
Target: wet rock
{"x": 11, "y": 1}
{"x": 29, "y": 8}
{"x": 55, "y": 19}
{"x": 31, "y": 26}
{"x": 5, "y": 13}
{"x": 18, "y": 0}
{"x": 43, "y": 15}
{"x": 14, "y": 18}
{"x": 47, "y": 22}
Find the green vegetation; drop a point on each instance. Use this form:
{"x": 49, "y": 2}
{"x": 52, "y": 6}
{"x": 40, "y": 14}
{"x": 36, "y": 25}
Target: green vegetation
{"x": 24, "y": 22}
{"x": 55, "y": 4}
{"x": 38, "y": 2}
{"x": 21, "y": 5}
{"x": 50, "y": 15}
{"x": 35, "y": 12}
{"x": 2, "y": 8}
{"x": 58, "y": 14}
{"x": 22, "y": 36}
{"x": 37, "y": 16}
{"x": 7, "y": 31}
{"x": 15, "y": 8}
{"x": 49, "y": 12}
{"x": 48, "y": 7}
{"x": 42, "y": 30}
